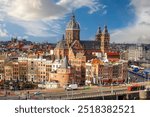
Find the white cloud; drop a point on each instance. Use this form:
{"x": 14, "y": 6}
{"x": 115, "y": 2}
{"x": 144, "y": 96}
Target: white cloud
{"x": 3, "y": 31}
{"x": 40, "y": 9}
{"x": 35, "y": 9}
{"x": 37, "y": 17}
{"x": 139, "y": 31}
{"x": 93, "y": 5}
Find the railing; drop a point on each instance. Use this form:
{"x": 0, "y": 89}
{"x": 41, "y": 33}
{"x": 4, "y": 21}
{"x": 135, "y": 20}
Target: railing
{"x": 74, "y": 96}
{"x": 90, "y": 95}
{"x": 81, "y": 94}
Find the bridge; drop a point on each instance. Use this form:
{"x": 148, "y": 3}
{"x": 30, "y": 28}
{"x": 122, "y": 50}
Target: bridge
{"x": 122, "y": 95}
{"x": 98, "y": 93}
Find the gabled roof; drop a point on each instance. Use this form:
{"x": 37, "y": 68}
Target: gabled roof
{"x": 62, "y": 45}
{"x": 90, "y": 45}
{"x": 76, "y": 42}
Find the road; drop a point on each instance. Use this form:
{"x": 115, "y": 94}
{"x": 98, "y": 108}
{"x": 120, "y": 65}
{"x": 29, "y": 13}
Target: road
{"x": 62, "y": 94}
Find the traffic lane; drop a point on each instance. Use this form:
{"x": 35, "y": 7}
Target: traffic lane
{"x": 92, "y": 88}
{"x": 78, "y": 93}
{"x": 86, "y": 94}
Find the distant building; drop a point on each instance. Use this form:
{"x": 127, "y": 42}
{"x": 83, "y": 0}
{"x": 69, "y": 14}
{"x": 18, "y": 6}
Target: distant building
{"x": 147, "y": 52}
{"x": 136, "y": 53}
{"x": 63, "y": 75}
{"x": 124, "y": 55}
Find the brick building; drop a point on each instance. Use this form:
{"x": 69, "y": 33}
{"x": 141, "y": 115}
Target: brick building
{"x": 32, "y": 70}
{"x": 23, "y": 69}
{"x": 2, "y": 62}
{"x": 98, "y": 71}
{"x": 72, "y": 40}
{"x": 62, "y": 75}
{"x": 15, "y": 66}
{"x": 79, "y": 51}
{"x": 8, "y": 70}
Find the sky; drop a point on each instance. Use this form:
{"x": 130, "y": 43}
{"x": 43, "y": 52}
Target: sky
{"x": 128, "y": 21}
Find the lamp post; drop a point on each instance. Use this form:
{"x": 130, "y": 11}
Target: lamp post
{"x": 5, "y": 88}
{"x": 100, "y": 86}
{"x": 72, "y": 92}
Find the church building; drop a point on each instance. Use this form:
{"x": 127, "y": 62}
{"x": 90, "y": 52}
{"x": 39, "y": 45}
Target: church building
{"x": 78, "y": 51}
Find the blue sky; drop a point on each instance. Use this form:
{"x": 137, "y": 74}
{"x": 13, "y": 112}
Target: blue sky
{"x": 45, "y": 20}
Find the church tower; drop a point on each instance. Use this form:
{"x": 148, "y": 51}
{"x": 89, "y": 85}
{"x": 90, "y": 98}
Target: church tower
{"x": 98, "y": 34}
{"x": 99, "y": 38}
{"x": 105, "y": 38}
{"x": 72, "y": 31}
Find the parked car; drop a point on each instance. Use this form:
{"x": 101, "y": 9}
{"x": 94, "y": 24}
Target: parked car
{"x": 37, "y": 93}
{"x": 71, "y": 87}
{"x": 114, "y": 84}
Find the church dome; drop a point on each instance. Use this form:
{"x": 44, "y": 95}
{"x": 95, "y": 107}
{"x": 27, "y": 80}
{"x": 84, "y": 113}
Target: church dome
{"x": 73, "y": 24}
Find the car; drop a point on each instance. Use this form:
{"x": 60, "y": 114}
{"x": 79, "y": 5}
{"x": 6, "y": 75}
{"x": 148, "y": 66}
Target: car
{"x": 114, "y": 84}
{"x": 37, "y": 93}
{"x": 72, "y": 87}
